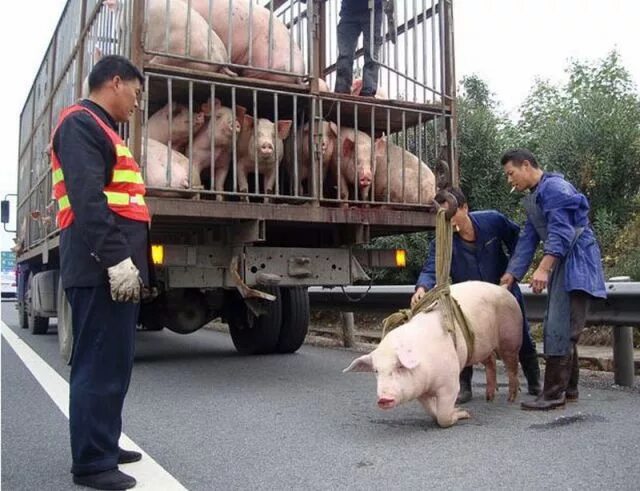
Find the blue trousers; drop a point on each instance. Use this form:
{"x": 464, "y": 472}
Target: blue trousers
{"x": 103, "y": 349}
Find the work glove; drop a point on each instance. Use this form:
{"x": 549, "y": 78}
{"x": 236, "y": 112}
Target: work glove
{"x": 125, "y": 282}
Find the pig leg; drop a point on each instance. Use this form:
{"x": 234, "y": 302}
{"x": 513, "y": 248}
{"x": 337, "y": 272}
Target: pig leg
{"x": 429, "y": 404}
{"x": 243, "y": 182}
{"x": 447, "y": 414}
{"x": 220, "y": 176}
{"x": 344, "y": 191}
{"x": 510, "y": 360}
{"x": 491, "y": 374}
{"x": 269, "y": 184}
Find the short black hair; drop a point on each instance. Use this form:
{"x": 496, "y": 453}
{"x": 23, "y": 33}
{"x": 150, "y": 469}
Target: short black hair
{"x": 517, "y": 156}
{"x": 111, "y": 66}
{"x": 441, "y": 196}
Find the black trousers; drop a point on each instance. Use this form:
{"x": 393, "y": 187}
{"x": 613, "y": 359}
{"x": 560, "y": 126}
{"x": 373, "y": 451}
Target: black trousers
{"x": 349, "y": 29}
{"x": 103, "y": 349}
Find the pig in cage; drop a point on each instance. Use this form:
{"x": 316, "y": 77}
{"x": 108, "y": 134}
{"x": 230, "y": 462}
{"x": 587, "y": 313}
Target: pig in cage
{"x": 242, "y": 142}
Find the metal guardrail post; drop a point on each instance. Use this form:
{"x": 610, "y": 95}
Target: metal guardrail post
{"x": 623, "y": 364}
{"x": 348, "y": 328}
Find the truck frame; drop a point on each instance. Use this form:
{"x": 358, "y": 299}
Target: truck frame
{"x": 247, "y": 257}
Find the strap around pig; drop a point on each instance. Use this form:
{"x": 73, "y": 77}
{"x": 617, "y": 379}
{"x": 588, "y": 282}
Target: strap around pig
{"x": 440, "y": 295}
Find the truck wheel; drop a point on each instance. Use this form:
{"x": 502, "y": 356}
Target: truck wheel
{"x": 65, "y": 329}
{"x": 37, "y": 324}
{"x": 295, "y": 318}
{"x": 188, "y": 314}
{"x": 253, "y": 335}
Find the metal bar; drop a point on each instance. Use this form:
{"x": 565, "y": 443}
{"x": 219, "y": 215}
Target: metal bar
{"x": 189, "y": 177}
{"x": 188, "y": 36}
{"x": 170, "y": 142}
{"x": 624, "y": 369}
{"x": 212, "y": 129}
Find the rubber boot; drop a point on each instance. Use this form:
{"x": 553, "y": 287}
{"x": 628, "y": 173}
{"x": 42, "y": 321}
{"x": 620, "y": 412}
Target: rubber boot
{"x": 572, "y": 387}
{"x": 531, "y": 370}
{"x": 556, "y": 379}
{"x": 465, "y": 385}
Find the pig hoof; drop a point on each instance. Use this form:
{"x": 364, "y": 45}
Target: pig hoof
{"x": 228, "y": 71}
{"x": 491, "y": 396}
{"x": 462, "y": 414}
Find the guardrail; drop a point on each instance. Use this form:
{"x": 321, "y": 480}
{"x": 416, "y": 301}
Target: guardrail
{"x": 620, "y": 309}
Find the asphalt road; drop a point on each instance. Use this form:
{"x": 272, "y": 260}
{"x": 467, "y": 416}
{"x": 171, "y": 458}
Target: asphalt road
{"x": 215, "y": 420}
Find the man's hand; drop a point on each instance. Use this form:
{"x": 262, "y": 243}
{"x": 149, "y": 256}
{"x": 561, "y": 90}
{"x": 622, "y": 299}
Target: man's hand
{"x": 540, "y": 279}
{"x": 125, "y": 282}
{"x": 507, "y": 280}
{"x": 420, "y": 292}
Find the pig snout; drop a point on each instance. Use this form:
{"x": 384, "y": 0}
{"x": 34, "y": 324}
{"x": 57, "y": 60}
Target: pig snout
{"x": 386, "y": 402}
{"x": 266, "y": 148}
{"x": 199, "y": 118}
{"x": 366, "y": 178}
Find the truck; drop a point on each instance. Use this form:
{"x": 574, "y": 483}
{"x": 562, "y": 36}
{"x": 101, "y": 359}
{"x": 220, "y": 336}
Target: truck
{"x": 246, "y": 256}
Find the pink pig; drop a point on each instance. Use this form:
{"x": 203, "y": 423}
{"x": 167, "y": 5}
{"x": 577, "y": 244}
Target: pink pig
{"x": 160, "y": 130}
{"x": 418, "y": 360}
{"x": 264, "y": 143}
{"x": 355, "y": 145}
{"x": 221, "y": 125}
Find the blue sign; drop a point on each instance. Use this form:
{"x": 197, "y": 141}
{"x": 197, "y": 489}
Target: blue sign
{"x": 8, "y": 260}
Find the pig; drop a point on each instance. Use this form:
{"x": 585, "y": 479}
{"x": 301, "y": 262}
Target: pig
{"x": 156, "y": 169}
{"x": 305, "y": 157}
{"x": 204, "y": 43}
{"x": 96, "y": 57}
{"x": 262, "y": 24}
{"x": 159, "y": 129}
{"x": 356, "y": 88}
{"x": 267, "y": 147}
{"x": 412, "y": 167}
{"x": 418, "y": 360}
{"x": 223, "y": 123}
{"x": 348, "y": 169}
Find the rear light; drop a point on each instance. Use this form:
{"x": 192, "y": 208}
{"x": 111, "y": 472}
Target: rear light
{"x": 157, "y": 254}
{"x": 401, "y": 258}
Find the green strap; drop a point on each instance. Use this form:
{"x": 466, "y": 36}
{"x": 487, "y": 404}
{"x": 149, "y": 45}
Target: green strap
{"x": 440, "y": 295}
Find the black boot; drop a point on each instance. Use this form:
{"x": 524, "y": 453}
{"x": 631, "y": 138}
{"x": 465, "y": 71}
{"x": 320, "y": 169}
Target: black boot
{"x": 556, "y": 379}
{"x": 572, "y": 387}
{"x": 112, "y": 479}
{"x": 128, "y": 456}
{"x": 531, "y": 370}
{"x": 465, "y": 385}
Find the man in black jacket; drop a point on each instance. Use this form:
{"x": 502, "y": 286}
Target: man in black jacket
{"x": 104, "y": 264}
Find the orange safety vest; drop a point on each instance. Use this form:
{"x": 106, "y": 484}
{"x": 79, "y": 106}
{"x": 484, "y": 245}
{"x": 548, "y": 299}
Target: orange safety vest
{"x": 125, "y": 193}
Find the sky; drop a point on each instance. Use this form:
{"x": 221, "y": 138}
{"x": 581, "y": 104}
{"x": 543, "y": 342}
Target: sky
{"x": 508, "y": 43}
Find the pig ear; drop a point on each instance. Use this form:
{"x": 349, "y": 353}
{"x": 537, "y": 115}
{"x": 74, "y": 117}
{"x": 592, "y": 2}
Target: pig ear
{"x": 347, "y": 147}
{"x": 284, "y": 127}
{"x": 333, "y": 127}
{"x": 248, "y": 122}
{"x": 361, "y": 364}
{"x": 381, "y": 143}
{"x": 217, "y": 104}
{"x": 206, "y": 108}
{"x": 406, "y": 355}
{"x": 240, "y": 112}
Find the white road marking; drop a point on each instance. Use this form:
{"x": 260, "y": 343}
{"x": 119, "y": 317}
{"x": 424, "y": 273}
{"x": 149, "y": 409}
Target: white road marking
{"x": 148, "y": 473}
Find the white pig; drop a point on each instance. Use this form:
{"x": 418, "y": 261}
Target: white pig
{"x": 156, "y": 169}
{"x": 159, "y": 129}
{"x": 418, "y": 360}
{"x": 413, "y": 169}
{"x": 356, "y": 88}
{"x": 222, "y": 124}
{"x": 265, "y": 144}
{"x": 262, "y": 23}
{"x": 353, "y": 143}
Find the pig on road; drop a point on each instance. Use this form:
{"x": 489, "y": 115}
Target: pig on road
{"x": 418, "y": 360}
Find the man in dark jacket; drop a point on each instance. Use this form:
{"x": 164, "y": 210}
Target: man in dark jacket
{"x": 359, "y": 16}
{"x": 571, "y": 268}
{"x": 103, "y": 255}
{"x": 479, "y": 254}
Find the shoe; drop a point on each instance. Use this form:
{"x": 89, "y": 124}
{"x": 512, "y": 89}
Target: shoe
{"x": 556, "y": 378}
{"x": 465, "y": 394}
{"x": 111, "y": 479}
{"x": 128, "y": 456}
{"x": 572, "y": 387}
{"x": 531, "y": 370}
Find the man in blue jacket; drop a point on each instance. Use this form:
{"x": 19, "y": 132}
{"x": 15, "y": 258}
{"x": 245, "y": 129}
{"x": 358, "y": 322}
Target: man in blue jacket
{"x": 571, "y": 268}
{"x": 479, "y": 254}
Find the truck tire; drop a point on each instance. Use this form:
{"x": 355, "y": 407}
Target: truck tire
{"x": 253, "y": 335}
{"x": 191, "y": 314}
{"x": 295, "y": 318}
{"x": 65, "y": 327}
{"x": 37, "y": 325}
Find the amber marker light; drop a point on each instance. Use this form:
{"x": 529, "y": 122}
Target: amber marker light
{"x": 157, "y": 254}
{"x": 401, "y": 258}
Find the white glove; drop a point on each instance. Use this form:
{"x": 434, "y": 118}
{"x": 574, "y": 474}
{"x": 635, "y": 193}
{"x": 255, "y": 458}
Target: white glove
{"x": 125, "y": 282}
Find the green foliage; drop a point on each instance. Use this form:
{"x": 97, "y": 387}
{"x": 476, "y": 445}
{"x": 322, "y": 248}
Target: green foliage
{"x": 587, "y": 128}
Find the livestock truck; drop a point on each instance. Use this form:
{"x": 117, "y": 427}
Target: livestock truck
{"x": 247, "y": 255}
